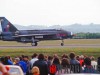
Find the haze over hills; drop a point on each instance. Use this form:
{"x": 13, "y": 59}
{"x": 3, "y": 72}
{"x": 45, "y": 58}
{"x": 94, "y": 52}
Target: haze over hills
{"x": 75, "y": 28}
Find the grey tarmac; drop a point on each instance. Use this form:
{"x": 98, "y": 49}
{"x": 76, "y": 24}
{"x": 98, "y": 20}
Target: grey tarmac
{"x": 56, "y": 46}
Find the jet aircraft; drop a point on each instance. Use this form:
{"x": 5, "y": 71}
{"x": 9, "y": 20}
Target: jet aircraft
{"x": 11, "y": 33}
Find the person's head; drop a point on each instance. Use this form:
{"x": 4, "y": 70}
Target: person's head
{"x": 20, "y": 58}
{"x": 2, "y": 59}
{"x": 41, "y": 57}
{"x": 35, "y": 70}
{"x": 55, "y": 55}
{"x": 87, "y": 61}
{"x": 46, "y": 58}
{"x": 65, "y": 62}
{"x": 50, "y": 57}
{"x": 78, "y": 57}
{"x": 72, "y": 55}
{"x": 34, "y": 55}
{"x": 92, "y": 58}
{"x": 81, "y": 57}
{"x": 64, "y": 56}
{"x": 17, "y": 60}
{"x": 56, "y": 61}
{"x": 8, "y": 57}
{"x": 25, "y": 58}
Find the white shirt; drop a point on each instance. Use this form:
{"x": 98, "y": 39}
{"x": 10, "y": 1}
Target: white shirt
{"x": 32, "y": 61}
{"x": 94, "y": 64}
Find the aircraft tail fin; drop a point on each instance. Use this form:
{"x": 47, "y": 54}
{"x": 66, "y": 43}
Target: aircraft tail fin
{"x": 7, "y": 26}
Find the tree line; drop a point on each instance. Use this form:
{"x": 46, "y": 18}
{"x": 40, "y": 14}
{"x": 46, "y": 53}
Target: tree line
{"x": 87, "y": 36}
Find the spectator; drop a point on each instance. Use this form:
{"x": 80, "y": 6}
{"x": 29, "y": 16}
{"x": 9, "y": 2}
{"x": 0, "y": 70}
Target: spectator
{"x": 93, "y": 62}
{"x": 2, "y": 59}
{"x": 64, "y": 56}
{"x": 81, "y": 60}
{"x": 42, "y": 65}
{"x": 46, "y": 58}
{"x": 98, "y": 62}
{"x": 3, "y": 70}
{"x": 49, "y": 62}
{"x": 28, "y": 65}
{"x": 55, "y": 55}
{"x": 72, "y": 59}
{"x": 35, "y": 71}
{"x": 78, "y": 57}
{"x": 6, "y": 61}
{"x": 65, "y": 65}
{"x": 22, "y": 64}
{"x": 74, "y": 64}
{"x": 65, "y": 62}
{"x": 88, "y": 67}
{"x": 56, "y": 61}
{"x": 34, "y": 58}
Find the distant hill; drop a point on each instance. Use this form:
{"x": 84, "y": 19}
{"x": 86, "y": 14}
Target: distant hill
{"x": 75, "y": 28}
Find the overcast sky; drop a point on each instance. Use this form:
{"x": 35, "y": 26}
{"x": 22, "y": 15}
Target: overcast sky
{"x": 51, "y": 12}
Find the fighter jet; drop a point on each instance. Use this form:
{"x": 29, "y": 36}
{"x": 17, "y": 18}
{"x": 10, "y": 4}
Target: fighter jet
{"x": 11, "y": 33}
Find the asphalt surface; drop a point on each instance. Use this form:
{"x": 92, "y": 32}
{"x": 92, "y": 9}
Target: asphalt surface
{"x": 57, "y": 46}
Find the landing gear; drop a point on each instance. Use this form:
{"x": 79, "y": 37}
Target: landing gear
{"x": 62, "y": 44}
{"x": 34, "y": 44}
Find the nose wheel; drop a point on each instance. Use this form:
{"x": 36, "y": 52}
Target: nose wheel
{"x": 34, "y": 43}
{"x": 62, "y": 44}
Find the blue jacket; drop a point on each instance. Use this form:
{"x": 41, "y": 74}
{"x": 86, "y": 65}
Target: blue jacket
{"x": 23, "y": 66}
{"x": 89, "y": 70}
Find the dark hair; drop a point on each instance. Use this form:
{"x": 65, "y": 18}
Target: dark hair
{"x": 72, "y": 55}
{"x": 77, "y": 57}
{"x": 87, "y": 61}
{"x": 56, "y": 61}
{"x": 41, "y": 57}
{"x": 50, "y": 57}
{"x": 64, "y": 56}
{"x": 98, "y": 61}
{"x": 26, "y": 57}
{"x": 65, "y": 62}
{"x": 22, "y": 56}
{"x": 2, "y": 59}
{"x": 34, "y": 55}
{"x": 6, "y": 60}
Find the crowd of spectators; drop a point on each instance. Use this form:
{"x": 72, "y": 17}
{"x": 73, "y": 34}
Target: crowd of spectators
{"x": 40, "y": 64}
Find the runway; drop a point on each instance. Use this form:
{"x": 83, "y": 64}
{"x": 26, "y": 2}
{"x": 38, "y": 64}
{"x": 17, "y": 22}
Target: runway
{"x": 55, "y": 46}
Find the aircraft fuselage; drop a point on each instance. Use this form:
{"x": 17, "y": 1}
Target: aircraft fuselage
{"x": 49, "y": 34}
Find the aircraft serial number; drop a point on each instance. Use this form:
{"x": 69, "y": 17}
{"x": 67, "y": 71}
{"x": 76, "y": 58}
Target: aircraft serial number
{"x": 38, "y": 36}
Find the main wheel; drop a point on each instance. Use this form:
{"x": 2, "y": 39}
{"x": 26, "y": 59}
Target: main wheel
{"x": 34, "y": 44}
{"x": 62, "y": 44}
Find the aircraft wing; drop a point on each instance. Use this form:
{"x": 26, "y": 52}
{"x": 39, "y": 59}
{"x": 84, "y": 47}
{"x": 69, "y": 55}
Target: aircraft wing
{"x": 31, "y": 35}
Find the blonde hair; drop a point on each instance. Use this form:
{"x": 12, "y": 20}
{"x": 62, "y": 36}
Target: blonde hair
{"x": 35, "y": 70}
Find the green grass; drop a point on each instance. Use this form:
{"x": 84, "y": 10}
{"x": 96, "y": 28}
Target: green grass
{"x": 51, "y": 51}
